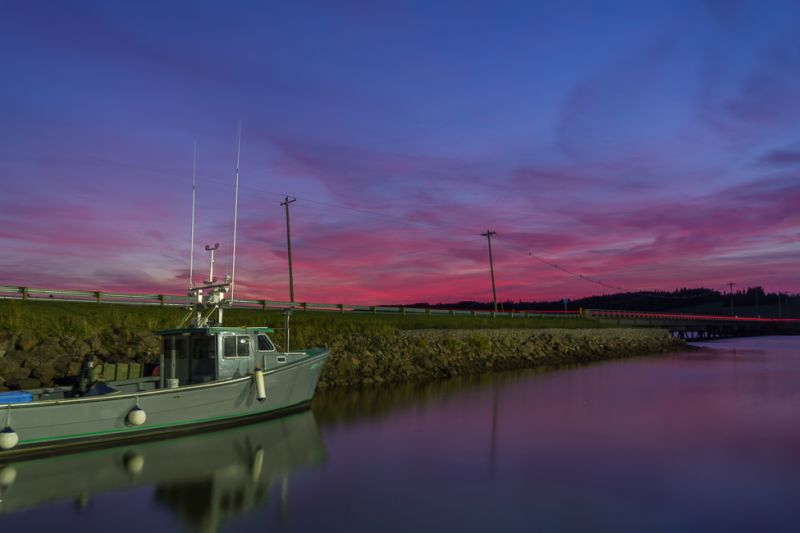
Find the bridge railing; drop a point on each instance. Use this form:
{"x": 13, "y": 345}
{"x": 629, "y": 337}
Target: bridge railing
{"x": 633, "y": 315}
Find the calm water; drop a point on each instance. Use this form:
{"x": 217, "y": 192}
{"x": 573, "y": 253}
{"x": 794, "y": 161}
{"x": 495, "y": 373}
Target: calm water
{"x": 699, "y": 441}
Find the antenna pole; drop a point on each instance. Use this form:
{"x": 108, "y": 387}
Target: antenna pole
{"x": 236, "y": 209}
{"x": 211, "y": 279}
{"x": 194, "y": 189}
{"x": 488, "y": 235}
{"x": 285, "y": 203}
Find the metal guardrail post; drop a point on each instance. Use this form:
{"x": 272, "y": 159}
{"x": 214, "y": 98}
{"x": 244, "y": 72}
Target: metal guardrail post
{"x": 263, "y": 305}
{"x": 98, "y": 296}
{"x": 161, "y": 299}
{"x": 341, "y": 308}
{"x": 373, "y": 309}
{"x": 24, "y": 292}
{"x": 305, "y": 306}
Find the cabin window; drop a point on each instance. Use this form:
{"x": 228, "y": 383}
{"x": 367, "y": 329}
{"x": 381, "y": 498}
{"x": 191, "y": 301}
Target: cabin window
{"x": 203, "y": 347}
{"x": 181, "y": 346}
{"x": 242, "y": 346}
{"x": 236, "y": 346}
{"x": 264, "y": 344}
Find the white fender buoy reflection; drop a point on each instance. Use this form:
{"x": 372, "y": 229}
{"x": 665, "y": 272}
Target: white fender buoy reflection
{"x": 258, "y": 464}
{"x": 134, "y": 462}
{"x": 8, "y": 474}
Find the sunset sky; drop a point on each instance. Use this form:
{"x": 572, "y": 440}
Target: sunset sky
{"x": 643, "y": 145}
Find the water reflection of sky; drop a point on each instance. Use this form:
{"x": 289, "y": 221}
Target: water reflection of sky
{"x": 699, "y": 441}
{"x": 692, "y": 442}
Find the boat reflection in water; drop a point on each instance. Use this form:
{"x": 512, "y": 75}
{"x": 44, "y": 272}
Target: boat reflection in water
{"x": 202, "y": 478}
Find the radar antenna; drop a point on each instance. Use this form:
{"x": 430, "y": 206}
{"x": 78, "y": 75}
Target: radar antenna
{"x": 208, "y": 298}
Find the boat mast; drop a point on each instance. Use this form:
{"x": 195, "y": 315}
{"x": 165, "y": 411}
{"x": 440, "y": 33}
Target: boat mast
{"x": 236, "y": 210}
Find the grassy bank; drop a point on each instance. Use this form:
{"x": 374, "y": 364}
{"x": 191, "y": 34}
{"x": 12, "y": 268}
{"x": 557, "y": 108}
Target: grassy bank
{"x": 89, "y": 319}
{"x": 40, "y": 342}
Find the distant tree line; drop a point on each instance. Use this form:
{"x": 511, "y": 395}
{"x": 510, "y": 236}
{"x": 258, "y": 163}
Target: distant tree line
{"x": 752, "y": 297}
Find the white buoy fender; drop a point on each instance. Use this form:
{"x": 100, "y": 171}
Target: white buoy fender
{"x": 261, "y": 389}
{"x": 137, "y": 416}
{"x": 8, "y": 438}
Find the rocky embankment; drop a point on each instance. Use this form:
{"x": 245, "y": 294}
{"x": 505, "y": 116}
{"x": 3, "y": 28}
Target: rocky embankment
{"x": 359, "y": 356}
{"x": 418, "y": 355}
{"x": 28, "y": 361}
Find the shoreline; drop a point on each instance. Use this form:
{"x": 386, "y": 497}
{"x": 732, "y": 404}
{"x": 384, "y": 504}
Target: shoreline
{"x": 361, "y": 356}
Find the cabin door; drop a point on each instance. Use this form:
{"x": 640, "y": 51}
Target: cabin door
{"x": 178, "y": 362}
{"x": 237, "y": 356}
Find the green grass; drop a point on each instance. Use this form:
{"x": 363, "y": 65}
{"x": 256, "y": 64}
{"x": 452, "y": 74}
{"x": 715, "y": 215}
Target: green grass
{"x": 90, "y": 319}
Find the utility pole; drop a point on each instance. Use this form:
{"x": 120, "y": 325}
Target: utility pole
{"x": 731, "y": 284}
{"x": 285, "y": 203}
{"x": 488, "y": 236}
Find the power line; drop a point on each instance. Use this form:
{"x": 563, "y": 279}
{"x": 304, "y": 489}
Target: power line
{"x": 359, "y": 210}
{"x": 417, "y": 223}
{"x": 602, "y": 283}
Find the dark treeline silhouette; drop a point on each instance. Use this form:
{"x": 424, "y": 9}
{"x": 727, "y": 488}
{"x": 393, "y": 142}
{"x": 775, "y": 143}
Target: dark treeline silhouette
{"x": 752, "y": 297}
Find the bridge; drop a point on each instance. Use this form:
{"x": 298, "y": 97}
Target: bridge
{"x": 690, "y": 326}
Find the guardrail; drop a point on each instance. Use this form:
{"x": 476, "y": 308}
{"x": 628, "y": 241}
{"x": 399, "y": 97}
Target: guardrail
{"x": 61, "y": 295}
{"x": 633, "y": 315}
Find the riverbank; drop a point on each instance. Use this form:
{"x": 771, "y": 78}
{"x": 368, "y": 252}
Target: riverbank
{"x": 42, "y": 343}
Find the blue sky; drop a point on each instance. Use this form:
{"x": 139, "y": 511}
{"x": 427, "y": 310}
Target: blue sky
{"x": 650, "y": 145}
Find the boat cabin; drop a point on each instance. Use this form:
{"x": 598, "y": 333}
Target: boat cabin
{"x": 200, "y": 355}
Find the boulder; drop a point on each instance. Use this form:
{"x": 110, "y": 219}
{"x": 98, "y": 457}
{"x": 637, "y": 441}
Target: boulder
{"x": 45, "y": 374}
{"x": 29, "y": 383}
{"x": 13, "y": 371}
{"x": 26, "y": 341}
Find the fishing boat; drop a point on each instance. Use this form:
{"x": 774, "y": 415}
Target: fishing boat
{"x": 209, "y": 375}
